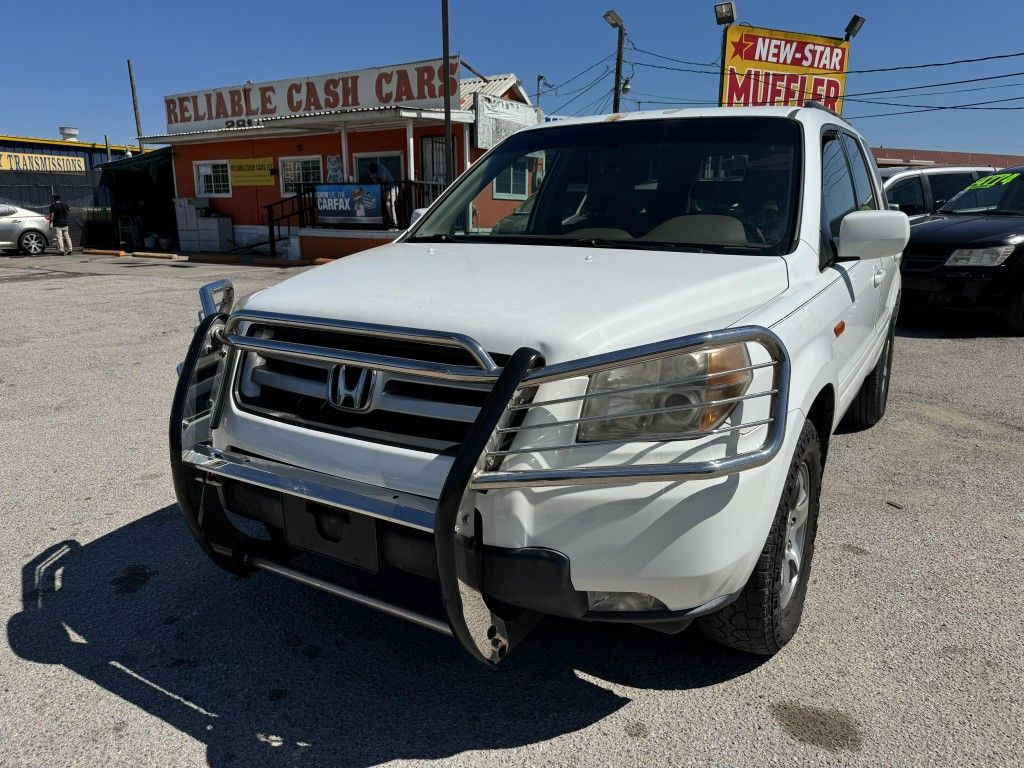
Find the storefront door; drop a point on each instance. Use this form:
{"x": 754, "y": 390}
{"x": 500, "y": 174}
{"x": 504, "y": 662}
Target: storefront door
{"x": 432, "y": 152}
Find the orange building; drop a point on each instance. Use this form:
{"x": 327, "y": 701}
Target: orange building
{"x": 263, "y": 155}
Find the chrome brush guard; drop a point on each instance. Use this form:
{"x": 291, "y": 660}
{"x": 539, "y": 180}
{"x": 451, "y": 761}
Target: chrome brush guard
{"x": 490, "y": 458}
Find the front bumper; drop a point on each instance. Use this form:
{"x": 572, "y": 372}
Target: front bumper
{"x": 983, "y": 288}
{"x": 492, "y": 595}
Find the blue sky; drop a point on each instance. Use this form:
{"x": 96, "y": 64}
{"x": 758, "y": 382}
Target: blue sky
{"x": 71, "y": 70}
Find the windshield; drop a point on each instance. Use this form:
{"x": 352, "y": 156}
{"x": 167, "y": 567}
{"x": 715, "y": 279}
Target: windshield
{"x": 999, "y": 192}
{"x": 726, "y": 184}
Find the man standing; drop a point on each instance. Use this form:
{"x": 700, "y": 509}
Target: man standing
{"x": 59, "y": 220}
{"x": 389, "y": 190}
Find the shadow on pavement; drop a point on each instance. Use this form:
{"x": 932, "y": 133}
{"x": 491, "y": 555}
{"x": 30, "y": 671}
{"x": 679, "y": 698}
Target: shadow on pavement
{"x": 949, "y": 324}
{"x": 264, "y": 671}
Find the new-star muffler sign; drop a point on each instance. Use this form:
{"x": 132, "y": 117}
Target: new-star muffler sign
{"x": 416, "y": 85}
{"x": 768, "y": 67}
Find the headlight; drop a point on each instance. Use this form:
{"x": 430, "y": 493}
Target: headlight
{"x": 980, "y": 257}
{"x": 671, "y": 396}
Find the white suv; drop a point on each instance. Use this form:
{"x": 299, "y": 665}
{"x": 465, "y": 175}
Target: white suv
{"x": 618, "y": 412}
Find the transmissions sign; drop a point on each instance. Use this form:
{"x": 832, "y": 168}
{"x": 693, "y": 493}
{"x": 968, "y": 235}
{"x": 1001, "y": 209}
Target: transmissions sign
{"x": 769, "y": 67}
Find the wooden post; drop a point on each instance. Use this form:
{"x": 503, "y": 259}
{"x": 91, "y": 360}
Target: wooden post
{"x": 135, "y": 104}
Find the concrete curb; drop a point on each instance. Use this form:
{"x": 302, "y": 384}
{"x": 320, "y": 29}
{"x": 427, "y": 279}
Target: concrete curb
{"x": 102, "y": 252}
{"x": 149, "y": 255}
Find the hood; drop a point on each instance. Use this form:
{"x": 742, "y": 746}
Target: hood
{"x": 966, "y": 229}
{"x": 567, "y": 302}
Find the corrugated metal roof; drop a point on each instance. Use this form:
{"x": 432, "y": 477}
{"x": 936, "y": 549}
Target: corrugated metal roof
{"x": 279, "y": 118}
{"x": 494, "y": 85}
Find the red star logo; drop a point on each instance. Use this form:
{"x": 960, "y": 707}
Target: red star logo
{"x": 741, "y": 47}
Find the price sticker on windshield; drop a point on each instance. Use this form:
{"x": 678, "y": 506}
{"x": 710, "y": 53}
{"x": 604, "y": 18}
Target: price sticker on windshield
{"x": 995, "y": 180}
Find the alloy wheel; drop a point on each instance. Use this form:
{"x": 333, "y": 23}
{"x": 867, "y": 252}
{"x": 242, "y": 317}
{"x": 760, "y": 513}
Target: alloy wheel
{"x": 33, "y": 243}
{"x": 796, "y": 537}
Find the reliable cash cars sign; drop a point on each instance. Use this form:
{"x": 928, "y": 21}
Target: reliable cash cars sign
{"x": 419, "y": 84}
{"x": 768, "y": 67}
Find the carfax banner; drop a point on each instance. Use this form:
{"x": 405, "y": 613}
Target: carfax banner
{"x": 349, "y": 204}
{"x": 769, "y": 67}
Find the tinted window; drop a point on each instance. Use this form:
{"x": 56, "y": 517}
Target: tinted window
{"x": 1003, "y": 191}
{"x": 861, "y": 175}
{"x": 908, "y": 194}
{"x": 945, "y": 185}
{"x": 6, "y": 210}
{"x": 836, "y": 185}
{"x": 716, "y": 184}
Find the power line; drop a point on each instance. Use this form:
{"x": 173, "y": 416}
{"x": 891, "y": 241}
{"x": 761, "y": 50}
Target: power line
{"x": 578, "y": 75}
{"x": 937, "y": 85}
{"x": 634, "y": 46}
{"x": 937, "y": 64}
{"x": 900, "y": 68}
{"x": 582, "y": 91}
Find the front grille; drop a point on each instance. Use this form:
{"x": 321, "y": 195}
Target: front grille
{"x": 409, "y": 409}
{"x": 925, "y": 257}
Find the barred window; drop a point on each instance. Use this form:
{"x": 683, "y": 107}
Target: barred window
{"x": 299, "y": 170}
{"x": 512, "y": 182}
{"x": 213, "y": 178}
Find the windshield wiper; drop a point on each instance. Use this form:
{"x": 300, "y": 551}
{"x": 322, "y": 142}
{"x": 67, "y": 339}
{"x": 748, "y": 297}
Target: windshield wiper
{"x": 440, "y": 237}
{"x": 1002, "y": 212}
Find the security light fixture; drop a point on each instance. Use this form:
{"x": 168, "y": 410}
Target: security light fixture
{"x": 725, "y": 13}
{"x": 626, "y": 87}
{"x": 614, "y": 20}
{"x": 853, "y": 27}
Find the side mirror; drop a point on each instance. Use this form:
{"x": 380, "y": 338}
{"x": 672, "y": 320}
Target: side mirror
{"x": 415, "y": 215}
{"x": 872, "y": 234}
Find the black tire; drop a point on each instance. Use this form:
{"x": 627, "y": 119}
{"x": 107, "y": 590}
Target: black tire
{"x": 766, "y": 614}
{"x": 868, "y": 407}
{"x": 1014, "y": 312}
{"x": 32, "y": 242}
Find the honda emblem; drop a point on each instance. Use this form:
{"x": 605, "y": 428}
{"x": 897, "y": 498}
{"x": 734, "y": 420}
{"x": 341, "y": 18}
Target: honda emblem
{"x": 353, "y": 388}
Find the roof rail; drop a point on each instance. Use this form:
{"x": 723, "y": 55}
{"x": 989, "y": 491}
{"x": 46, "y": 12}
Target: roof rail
{"x": 818, "y": 105}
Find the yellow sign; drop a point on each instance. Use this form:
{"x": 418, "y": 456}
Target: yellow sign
{"x": 252, "y": 172}
{"x": 768, "y": 67}
{"x": 20, "y": 161}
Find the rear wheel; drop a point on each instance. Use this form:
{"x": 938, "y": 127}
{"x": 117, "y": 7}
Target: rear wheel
{"x": 767, "y": 613}
{"x": 32, "y": 243}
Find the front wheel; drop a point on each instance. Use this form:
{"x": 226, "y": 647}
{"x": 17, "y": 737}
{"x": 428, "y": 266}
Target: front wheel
{"x": 767, "y": 613}
{"x": 1014, "y": 312}
{"x": 32, "y": 243}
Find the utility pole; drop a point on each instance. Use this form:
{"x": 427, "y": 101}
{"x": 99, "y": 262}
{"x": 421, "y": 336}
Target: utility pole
{"x": 540, "y": 79}
{"x": 135, "y": 104}
{"x": 614, "y": 20}
{"x": 449, "y": 156}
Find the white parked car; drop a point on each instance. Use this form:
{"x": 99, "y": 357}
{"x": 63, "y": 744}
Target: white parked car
{"x": 617, "y": 415}
{"x": 919, "y": 191}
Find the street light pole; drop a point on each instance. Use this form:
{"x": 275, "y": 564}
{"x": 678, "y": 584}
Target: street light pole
{"x": 616, "y": 21}
{"x": 448, "y": 155}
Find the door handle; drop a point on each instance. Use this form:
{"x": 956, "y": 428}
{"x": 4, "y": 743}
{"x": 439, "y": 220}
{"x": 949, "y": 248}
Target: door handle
{"x": 878, "y": 277}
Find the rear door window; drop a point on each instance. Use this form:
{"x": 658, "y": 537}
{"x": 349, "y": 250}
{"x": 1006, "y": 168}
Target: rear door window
{"x": 908, "y": 194}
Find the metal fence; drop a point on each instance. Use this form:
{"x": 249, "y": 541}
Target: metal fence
{"x": 90, "y": 220}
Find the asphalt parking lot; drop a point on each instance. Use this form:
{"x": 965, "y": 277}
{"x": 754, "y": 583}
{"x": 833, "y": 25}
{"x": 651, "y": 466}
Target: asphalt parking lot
{"x": 125, "y": 646}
